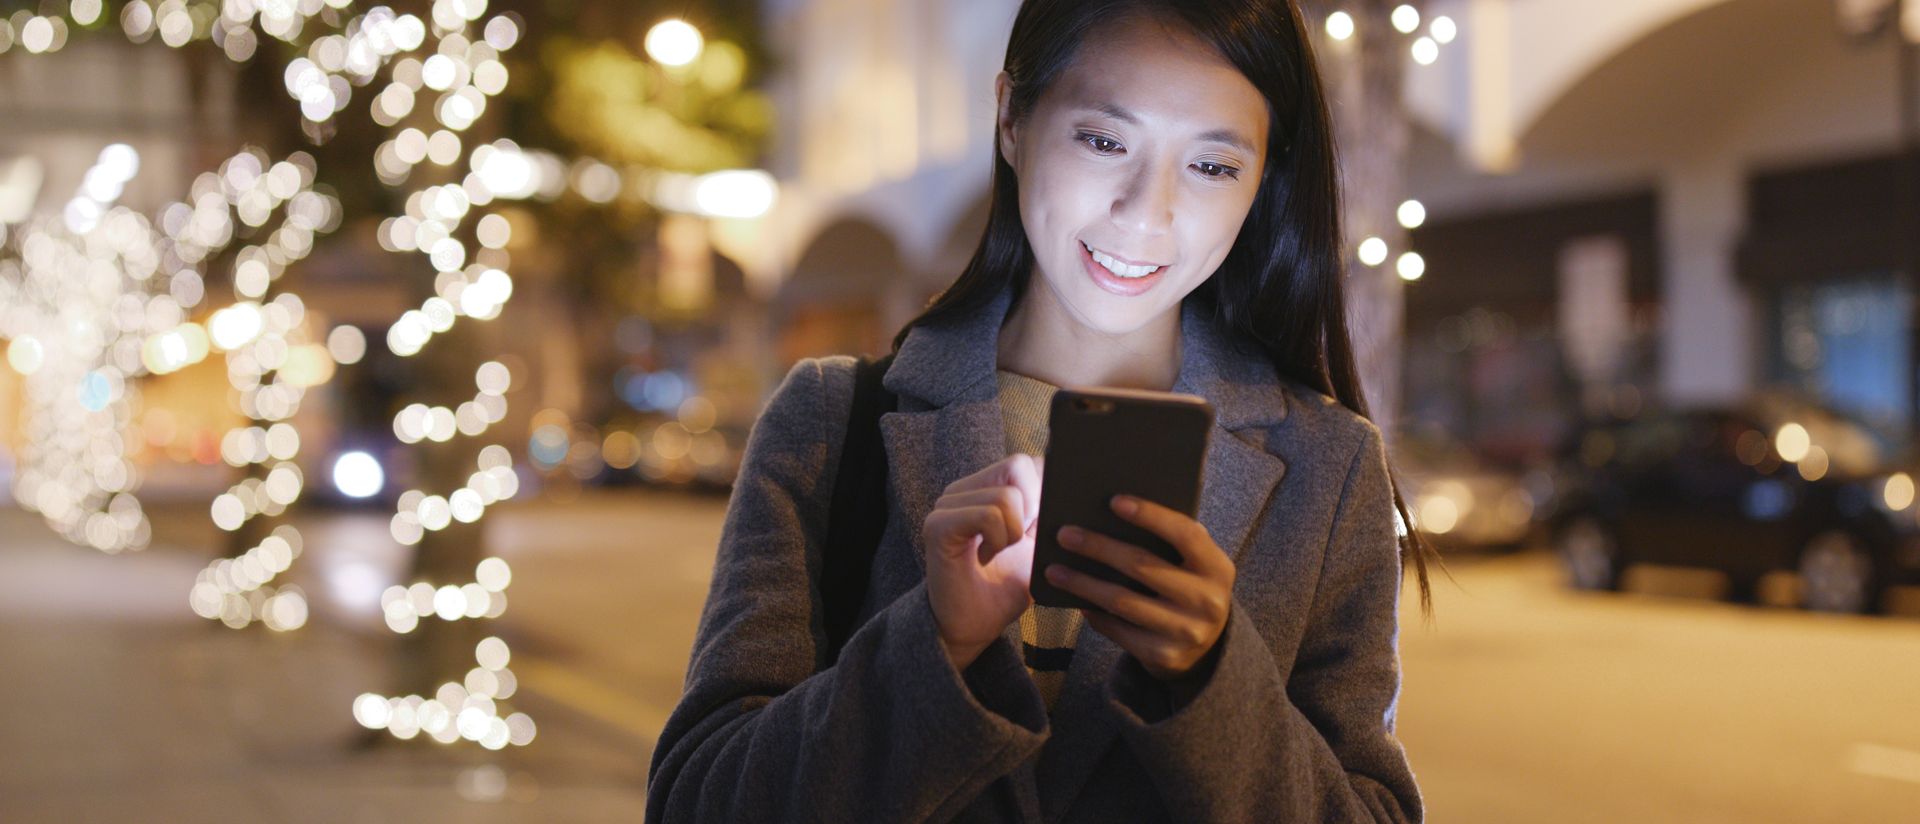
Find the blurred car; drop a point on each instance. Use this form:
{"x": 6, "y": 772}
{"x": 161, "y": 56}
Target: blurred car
{"x": 655, "y": 449}
{"x": 1463, "y": 501}
{"x": 1773, "y": 484}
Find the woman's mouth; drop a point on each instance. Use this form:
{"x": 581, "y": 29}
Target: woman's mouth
{"x": 1116, "y": 275}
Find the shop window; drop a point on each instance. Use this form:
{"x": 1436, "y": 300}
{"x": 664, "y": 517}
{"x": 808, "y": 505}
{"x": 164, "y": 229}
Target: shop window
{"x": 1848, "y": 342}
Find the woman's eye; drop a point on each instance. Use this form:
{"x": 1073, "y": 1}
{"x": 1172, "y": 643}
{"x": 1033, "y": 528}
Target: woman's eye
{"x": 1103, "y": 145}
{"x": 1217, "y": 170}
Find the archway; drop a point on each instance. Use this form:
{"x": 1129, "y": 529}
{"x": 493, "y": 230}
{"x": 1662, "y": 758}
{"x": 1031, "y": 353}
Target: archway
{"x": 836, "y": 300}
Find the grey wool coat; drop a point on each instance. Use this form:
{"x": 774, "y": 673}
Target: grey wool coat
{"x": 1294, "y": 723}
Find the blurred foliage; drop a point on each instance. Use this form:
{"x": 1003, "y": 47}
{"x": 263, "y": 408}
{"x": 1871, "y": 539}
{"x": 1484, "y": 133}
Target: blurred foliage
{"x": 615, "y": 104}
{"x": 582, "y": 87}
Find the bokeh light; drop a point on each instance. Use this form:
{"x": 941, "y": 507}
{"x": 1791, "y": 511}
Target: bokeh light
{"x": 1411, "y": 266}
{"x": 742, "y": 193}
{"x": 1340, "y": 25}
{"x": 1405, "y": 18}
{"x": 1897, "y": 491}
{"x": 674, "y": 42}
{"x": 1425, "y": 51}
{"x": 1412, "y": 213}
{"x": 358, "y": 475}
{"x": 1373, "y": 251}
{"x": 1792, "y": 442}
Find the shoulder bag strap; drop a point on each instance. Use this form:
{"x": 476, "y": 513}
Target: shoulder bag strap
{"x": 858, "y": 515}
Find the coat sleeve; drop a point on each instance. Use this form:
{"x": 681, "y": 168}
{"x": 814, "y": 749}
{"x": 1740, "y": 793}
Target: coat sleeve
{"x": 892, "y": 732}
{"x": 1249, "y": 741}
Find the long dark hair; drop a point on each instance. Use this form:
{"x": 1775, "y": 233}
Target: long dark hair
{"x": 1281, "y": 285}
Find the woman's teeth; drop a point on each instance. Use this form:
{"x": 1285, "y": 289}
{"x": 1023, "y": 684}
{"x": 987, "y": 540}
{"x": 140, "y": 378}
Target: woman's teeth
{"x": 1120, "y": 269}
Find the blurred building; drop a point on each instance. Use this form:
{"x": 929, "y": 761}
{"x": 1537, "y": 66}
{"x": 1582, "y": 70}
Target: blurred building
{"x": 1688, "y": 198}
{"x": 886, "y": 113}
{"x": 1632, "y": 202}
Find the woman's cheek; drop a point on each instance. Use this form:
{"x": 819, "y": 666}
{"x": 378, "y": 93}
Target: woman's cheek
{"x": 1223, "y": 218}
{"x": 1062, "y": 202}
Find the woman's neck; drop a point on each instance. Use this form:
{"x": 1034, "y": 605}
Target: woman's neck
{"x": 1042, "y": 339}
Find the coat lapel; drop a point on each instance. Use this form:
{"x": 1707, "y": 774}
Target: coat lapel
{"x": 949, "y": 425}
{"x": 928, "y": 449}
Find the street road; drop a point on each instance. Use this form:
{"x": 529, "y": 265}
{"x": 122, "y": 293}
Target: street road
{"x": 1522, "y": 701}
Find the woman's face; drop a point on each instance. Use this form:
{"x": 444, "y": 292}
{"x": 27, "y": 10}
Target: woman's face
{"x": 1136, "y": 169}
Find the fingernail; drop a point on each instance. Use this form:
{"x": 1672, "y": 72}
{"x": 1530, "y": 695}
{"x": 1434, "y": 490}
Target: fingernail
{"x": 1070, "y": 536}
{"x": 1056, "y": 573}
{"x": 1124, "y": 505}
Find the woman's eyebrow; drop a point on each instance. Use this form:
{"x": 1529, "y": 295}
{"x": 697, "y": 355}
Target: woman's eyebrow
{"x": 1228, "y": 137}
{"x": 1225, "y": 136}
{"x": 1114, "y": 111}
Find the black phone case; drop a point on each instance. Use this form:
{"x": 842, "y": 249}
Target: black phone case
{"x": 1106, "y": 442}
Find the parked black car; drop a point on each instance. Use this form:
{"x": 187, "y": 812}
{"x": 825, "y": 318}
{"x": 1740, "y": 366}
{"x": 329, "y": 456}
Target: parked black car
{"x": 1773, "y": 484}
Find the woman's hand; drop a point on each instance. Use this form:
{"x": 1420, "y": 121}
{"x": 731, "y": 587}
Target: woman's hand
{"x": 1169, "y": 634}
{"x": 979, "y": 546}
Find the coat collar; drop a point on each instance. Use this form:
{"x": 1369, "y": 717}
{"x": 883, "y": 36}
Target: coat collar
{"x": 950, "y": 426}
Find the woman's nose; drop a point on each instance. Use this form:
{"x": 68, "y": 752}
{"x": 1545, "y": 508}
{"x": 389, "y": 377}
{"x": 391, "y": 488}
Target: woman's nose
{"x": 1145, "y": 205}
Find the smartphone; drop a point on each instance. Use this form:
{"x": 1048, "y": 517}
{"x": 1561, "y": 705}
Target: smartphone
{"x": 1106, "y": 442}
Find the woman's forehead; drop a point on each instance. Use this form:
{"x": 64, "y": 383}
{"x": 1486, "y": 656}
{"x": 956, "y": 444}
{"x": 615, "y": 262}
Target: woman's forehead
{"x": 1157, "y": 74}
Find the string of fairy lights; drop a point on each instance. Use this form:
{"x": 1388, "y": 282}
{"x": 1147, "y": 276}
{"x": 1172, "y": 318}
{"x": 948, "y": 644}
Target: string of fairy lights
{"x": 81, "y": 311}
{"x": 270, "y": 364}
{"x": 459, "y": 75}
{"x": 85, "y": 309}
{"x": 441, "y": 64}
{"x": 77, "y": 305}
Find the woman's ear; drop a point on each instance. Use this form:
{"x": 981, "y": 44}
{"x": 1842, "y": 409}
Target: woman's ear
{"x": 1003, "y": 119}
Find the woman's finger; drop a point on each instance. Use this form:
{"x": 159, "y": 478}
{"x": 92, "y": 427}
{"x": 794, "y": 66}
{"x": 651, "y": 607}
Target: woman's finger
{"x": 1148, "y": 648}
{"x": 984, "y": 477}
{"x": 955, "y": 529}
{"x": 1127, "y": 559}
{"x": 1148, "y": 613}
{"x": 991, "y": 524}
{"x": 1008, "y": 471}
{"x": 1187, "y": 535}
{"x": 1006, "y": 498}
{"x": 1023, "y": 474}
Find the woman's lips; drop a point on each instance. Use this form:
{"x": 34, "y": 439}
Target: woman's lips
{"x": 1124, "y": 287}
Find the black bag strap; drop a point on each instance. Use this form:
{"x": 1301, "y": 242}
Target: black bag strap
{"x": 858, "y": 515}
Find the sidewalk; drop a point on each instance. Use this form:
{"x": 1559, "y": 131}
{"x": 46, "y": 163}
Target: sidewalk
{"x": 118, "y": 704}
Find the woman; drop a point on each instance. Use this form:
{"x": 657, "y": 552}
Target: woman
{"x": 1164, "y": 217}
